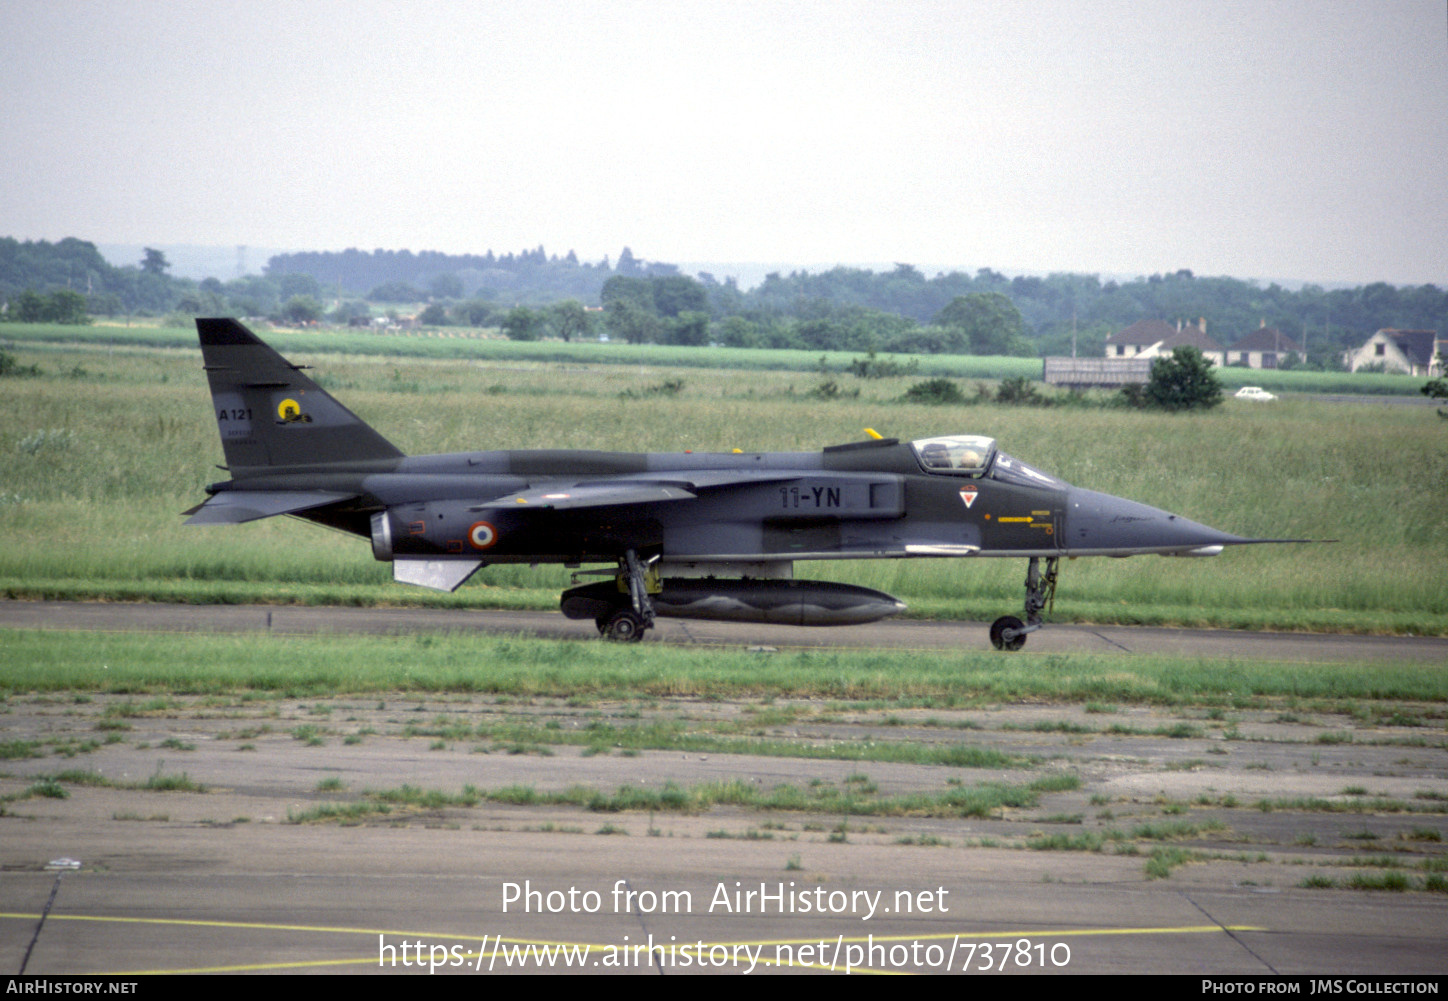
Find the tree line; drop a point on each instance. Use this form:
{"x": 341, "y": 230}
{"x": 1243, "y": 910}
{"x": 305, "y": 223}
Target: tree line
{"x": 532, "y": 294}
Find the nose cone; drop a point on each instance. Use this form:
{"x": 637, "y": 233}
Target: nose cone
{"x": 1102, "y": 525}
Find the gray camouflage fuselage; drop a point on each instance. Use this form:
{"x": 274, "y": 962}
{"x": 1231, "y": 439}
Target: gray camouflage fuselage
{"x": 742, "y": 517}
{"x": 859, "y": 501}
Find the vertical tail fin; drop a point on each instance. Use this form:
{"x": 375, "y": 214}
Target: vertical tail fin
{"x": 270, "y": 414}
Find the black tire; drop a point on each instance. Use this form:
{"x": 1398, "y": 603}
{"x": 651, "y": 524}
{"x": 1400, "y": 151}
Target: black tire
{"x": 624, "y": 627}
{"x": 998, "y": 633}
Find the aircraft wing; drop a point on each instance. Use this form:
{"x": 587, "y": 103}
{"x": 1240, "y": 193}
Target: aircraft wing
{"x": 610, "y": 493}
{"x": 644, "y": 488}
{"x": 706, "y": 479}
{"x": 232, "y": 507}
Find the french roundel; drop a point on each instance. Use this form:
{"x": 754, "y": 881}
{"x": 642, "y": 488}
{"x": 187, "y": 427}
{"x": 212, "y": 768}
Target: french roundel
{"x": 482, "y": 535}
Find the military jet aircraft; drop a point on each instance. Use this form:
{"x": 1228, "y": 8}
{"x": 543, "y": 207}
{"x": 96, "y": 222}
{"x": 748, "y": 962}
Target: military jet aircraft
{"x": 711, "y": 536}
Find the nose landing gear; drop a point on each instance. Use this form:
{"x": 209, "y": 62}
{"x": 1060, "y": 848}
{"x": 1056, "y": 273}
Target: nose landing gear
{"x": 1009, "y": 632}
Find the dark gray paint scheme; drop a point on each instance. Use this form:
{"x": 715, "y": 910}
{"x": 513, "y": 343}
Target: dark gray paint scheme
{"x": 292, "y": 449}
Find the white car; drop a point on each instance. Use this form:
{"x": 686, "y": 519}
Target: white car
{"x": 1254, "y": 393}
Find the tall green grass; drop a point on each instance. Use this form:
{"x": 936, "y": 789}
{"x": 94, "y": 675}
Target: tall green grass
{"x": 101, "y": 453}
{"x": 489, "y": 345}
{"x": 296, "y": 666}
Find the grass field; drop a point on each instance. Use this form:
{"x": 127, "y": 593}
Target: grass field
{"x": 488, "y": 345}
{"x": 589, "y": 672}
{"x": 101, "y": 452}
{"x": 1325, "y": 776}
{"x": 1296, "y": 770}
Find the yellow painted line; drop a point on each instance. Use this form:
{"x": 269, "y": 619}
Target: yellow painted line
{"x": 997, "y": 935}
{"x": 605, "y": 949}
{"x": 255, "y": 925}
{"x": 1071, "y": 933}
{"x": 593, "y": 962}
{"x": 862, "y": 970}
{"x": 251, "y": 968}
{"x": 370, "y": 961}
{"x": 346, "y": 930}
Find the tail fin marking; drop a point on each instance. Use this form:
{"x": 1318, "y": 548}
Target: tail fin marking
{"x": 270, "y": 414}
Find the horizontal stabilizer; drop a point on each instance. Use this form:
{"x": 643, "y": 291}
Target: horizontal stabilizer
{"x": 232, "y": 507}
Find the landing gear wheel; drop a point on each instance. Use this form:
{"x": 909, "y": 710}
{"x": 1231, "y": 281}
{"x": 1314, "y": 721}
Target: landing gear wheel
{"x": 1009, "y": 632}
{"x": 998, "y": 630}
{"x": 624, "y": 627}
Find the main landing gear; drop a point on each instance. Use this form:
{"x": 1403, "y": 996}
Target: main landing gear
{"x": 635, "y": 614}
{"x": 1009, "y": 632}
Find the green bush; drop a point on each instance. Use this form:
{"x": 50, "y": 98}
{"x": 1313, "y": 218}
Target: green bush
{"x": 1021, "y": 392}
{"x": 1437, "y": 390}
{"x": 871, "y": 367}
{"x": 936, "y": 392}
{"x": 1183, "y": 381}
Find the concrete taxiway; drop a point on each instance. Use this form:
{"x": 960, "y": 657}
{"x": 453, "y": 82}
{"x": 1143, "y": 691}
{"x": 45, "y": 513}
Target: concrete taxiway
{"x": 266, "y": 899}
{"x": 899, "y": 634}
{"x": 232, "y": 876}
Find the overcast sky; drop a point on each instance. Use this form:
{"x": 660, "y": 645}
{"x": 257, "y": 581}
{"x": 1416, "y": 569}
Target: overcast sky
{"x": 1286, "y": 140}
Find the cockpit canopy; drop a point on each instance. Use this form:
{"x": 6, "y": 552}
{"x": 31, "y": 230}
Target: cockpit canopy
{"x": 976, "y": 455}
{"x": 961, "y": 453}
